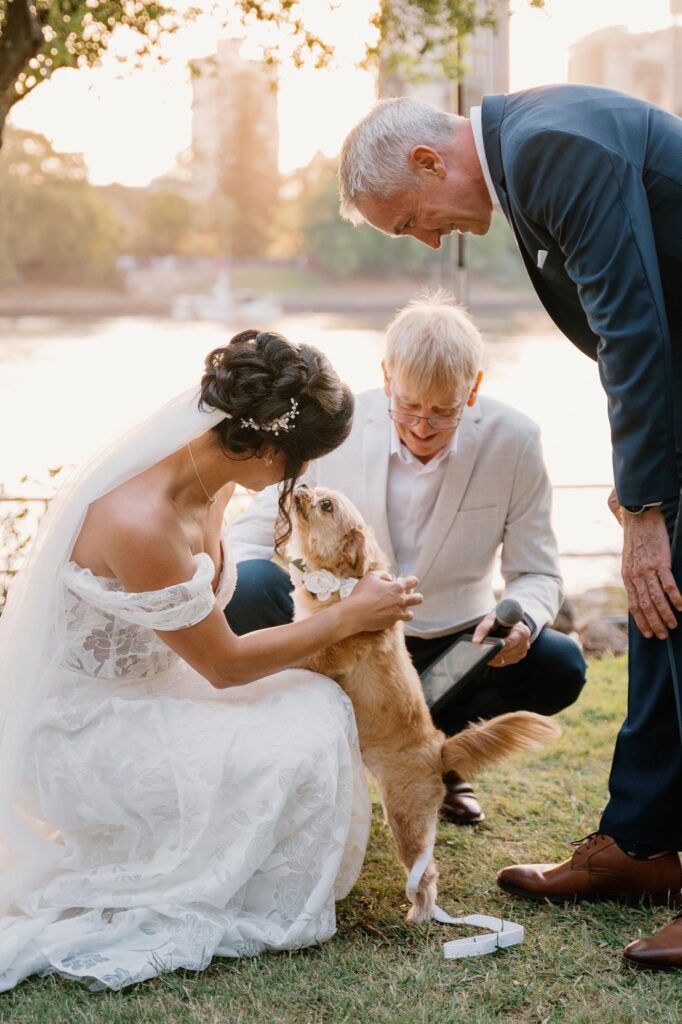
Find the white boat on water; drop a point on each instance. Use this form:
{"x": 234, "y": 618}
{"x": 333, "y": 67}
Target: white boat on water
{"x": 222, "y": 305}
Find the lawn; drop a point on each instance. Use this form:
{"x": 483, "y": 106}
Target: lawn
{"x": 378, "y": 970}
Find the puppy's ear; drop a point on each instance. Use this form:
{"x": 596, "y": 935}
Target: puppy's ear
{"x": 354, "y": 550}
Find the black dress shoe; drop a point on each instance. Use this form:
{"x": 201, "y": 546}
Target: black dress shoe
{"x": 460, "y": 805}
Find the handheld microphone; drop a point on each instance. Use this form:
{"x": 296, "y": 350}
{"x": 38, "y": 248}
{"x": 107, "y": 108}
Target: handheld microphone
{"x": 507, "y": 613}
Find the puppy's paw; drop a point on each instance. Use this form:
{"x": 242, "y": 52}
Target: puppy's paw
{"x": 423, "y": 899}
{"x": 420, "y": 912}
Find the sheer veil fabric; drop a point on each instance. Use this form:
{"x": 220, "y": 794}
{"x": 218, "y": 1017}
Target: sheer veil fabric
{"x": 32, "y": 630}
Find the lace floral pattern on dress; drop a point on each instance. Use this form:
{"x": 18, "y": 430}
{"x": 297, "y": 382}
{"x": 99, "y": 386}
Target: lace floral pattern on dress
{"x": 111, "y": 631}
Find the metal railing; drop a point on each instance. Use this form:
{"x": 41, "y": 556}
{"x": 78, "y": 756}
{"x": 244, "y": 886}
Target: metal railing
{"x": 44, "y": 500}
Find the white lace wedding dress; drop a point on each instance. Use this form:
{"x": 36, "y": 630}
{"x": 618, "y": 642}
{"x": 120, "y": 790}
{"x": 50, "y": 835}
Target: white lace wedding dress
{"x": 193, "y": 822}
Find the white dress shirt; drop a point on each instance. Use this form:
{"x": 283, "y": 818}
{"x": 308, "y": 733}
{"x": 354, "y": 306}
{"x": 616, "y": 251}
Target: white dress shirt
{"x": 411, "y": 494}
{"x": 477, "y": 128}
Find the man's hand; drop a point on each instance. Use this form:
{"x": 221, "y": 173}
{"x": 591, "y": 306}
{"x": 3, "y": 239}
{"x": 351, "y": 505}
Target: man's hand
{"x": 516, "y": 645}
{"x": 649, "y": 582}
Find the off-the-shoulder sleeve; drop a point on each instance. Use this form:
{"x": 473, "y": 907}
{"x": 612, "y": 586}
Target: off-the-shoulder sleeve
{"x": 176, "y": 607}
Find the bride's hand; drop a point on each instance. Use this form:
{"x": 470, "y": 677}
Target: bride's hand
{"x": 379, "y": 601}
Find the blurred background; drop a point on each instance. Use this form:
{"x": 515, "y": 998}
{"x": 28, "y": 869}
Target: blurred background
{"x": 168, "y": 176}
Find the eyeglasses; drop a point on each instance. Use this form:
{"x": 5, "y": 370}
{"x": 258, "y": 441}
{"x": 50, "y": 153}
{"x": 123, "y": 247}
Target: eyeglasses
{"x": 410, "y": 419}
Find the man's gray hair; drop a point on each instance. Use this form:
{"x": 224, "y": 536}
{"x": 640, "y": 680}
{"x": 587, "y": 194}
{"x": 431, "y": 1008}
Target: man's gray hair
{"x": 374, "y": 153}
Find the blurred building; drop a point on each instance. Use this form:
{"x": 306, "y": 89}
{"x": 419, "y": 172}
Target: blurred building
{"x": 485, "y": 57}
{"x": 225, "y": 84}
{"x": 644, "y": 64}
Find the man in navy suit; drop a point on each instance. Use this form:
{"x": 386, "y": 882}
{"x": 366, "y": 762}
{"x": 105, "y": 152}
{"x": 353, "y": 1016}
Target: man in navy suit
{"x": 590, "y": 181}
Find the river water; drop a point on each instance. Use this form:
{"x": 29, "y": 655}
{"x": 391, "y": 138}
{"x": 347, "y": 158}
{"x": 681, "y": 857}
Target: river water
{"x": 68, "y": 386}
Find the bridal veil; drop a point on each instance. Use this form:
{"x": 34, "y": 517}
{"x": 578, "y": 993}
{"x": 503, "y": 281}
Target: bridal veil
{"x": 32, "y": 629}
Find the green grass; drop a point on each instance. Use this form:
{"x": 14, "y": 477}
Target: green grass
{"x": 378, "y": 970}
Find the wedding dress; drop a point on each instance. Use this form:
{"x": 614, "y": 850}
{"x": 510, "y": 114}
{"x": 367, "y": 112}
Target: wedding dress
{"x": 186, "y": 822}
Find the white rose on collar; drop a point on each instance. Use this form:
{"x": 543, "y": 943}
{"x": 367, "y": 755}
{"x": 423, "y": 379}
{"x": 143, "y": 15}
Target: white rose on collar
{"x": 322, "y": 583}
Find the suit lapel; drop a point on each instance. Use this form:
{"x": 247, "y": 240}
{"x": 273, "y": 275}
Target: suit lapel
{"x": 376, "y": 453}
{"x": 460, "y": 466}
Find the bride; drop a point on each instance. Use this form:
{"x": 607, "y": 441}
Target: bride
{"x": 155, "y": 810}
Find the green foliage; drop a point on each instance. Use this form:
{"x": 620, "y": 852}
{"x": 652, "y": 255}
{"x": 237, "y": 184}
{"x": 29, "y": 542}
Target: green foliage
{"x": 407, "y": 31}
{"x": 53, "y": 225}
{"x": 413, "y": 34}
{"x": 39, "y": 36}
{"x": 75, "y": 33}
{"x": 496, "y": 256}
{"x": 30, "y": 157}
{"x": 165, "y": 224}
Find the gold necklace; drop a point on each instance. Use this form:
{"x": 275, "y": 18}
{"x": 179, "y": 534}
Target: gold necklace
{"x": 212, "y": 500}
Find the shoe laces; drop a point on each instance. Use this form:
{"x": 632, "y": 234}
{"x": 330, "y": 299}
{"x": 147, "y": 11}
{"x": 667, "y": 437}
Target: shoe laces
{"x": 587, "y": 841}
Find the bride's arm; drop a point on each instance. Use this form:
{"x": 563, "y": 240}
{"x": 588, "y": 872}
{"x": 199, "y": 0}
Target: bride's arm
{"x": 142, "y": 563}
{"x": 226, "y": 659}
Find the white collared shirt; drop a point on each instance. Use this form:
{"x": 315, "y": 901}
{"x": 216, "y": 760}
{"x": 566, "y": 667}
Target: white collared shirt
{"x": 412, "y": 492}
{"x": 477, "y": 128}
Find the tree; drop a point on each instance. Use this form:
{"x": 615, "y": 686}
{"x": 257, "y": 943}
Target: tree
{"x": 417, "y": 34}
{"x": 39, "y": 36}
{"x": 53, "y": 224}
{"x": 165, "y": 224}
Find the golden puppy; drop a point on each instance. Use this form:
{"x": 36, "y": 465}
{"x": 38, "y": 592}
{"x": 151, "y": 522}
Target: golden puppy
{"x": 400, "y": 745}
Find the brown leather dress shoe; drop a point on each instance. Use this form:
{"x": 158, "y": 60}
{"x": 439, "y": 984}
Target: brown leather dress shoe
{"x": 659, "y": 952}
{"x": 460, "y": 805}
{"x": 598, "y": 870}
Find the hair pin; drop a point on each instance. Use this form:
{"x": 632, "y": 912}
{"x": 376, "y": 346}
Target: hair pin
{"x": 283, "y": 422}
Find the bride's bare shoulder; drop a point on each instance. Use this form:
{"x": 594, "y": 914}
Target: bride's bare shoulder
{"x": 132, "y": 534}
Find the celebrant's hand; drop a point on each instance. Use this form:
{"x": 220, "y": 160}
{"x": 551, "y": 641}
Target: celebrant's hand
{"x": 379, "y": 601}
{"x": 516, "y": 644}
{"x": 646, "y": 570}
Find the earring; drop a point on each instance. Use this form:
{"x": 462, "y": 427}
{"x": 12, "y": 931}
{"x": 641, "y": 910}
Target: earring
{"x": 268, "y": 461}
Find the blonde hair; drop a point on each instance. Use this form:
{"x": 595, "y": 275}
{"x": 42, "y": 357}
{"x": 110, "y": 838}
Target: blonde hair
{"x": 433, "y": 343}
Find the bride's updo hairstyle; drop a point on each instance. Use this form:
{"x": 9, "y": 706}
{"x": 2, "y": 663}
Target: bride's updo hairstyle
{"x": 253, "y": 379}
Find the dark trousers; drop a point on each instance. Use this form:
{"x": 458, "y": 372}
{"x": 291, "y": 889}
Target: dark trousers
{"x": 548, "y": 679}
{"x": 645, "y": 787}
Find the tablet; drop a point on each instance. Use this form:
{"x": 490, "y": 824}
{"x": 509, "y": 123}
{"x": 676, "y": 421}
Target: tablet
{"x": 465, "y": 661}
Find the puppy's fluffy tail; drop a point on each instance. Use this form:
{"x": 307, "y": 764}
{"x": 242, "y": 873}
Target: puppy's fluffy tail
{"x": 482, "y": 743}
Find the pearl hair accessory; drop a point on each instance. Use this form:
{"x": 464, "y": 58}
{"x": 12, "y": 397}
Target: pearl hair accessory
{"x": 282, "y": 422}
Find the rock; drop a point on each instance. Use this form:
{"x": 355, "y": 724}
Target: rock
{"x": 600, "y": 637}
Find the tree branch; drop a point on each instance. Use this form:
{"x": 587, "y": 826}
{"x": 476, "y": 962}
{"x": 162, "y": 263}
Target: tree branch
{"x": 21, "y": 39}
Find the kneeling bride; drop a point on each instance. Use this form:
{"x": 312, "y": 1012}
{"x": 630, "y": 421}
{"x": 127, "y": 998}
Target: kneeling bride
{"x": 156, "y": 812}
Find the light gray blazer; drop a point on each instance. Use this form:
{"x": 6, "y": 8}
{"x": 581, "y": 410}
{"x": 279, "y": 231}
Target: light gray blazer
{"x": 495, "y": 492}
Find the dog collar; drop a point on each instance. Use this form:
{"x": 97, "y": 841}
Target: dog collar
{"x": 320, "y": 582}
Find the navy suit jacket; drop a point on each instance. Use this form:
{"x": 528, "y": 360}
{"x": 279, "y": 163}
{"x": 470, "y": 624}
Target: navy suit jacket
{"x": 594, "y": 178}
